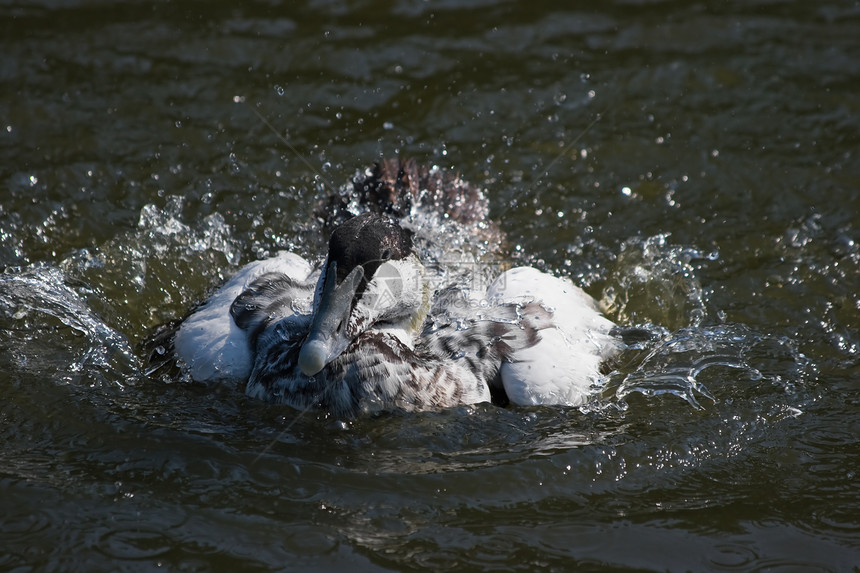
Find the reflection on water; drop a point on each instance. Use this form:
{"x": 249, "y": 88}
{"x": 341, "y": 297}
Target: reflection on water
{"x": 712, "y": 210}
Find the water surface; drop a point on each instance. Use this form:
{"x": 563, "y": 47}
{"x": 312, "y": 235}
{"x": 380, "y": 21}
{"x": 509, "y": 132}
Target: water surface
{"x": 693, "y": 165}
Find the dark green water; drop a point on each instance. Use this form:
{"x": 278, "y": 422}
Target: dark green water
{"x": 717, "y": 199}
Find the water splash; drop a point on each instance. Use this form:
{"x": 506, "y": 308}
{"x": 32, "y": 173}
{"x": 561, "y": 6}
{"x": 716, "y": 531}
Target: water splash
{"x": 137, "y": 276}
{"x": 32, "y": 303}
{"x": 655, "y": 282}
{"x": 165, "y": 230}
{"x": 676, "y": 363}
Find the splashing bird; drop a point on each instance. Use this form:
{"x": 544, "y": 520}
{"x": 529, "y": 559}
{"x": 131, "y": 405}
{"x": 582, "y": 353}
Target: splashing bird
{"x": 375, "y": 328}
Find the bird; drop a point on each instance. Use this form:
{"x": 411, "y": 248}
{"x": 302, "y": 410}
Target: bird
{"x": 383, "y": 324}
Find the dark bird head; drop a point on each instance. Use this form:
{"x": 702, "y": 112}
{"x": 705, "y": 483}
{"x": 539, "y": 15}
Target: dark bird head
{"x": 371, "y": 278}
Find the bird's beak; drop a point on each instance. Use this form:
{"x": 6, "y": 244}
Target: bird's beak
{"x": 328, "y": 335}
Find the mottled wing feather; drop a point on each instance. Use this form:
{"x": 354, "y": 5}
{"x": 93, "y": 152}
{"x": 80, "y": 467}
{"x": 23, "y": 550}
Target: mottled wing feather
{"x": 275, "y": 377}
{"x": 391, "y": 372}
{"x": 268, "y": 299}
{"x": 483, "y": 343}
{"x": 209, "y": 345}
{"x": 376, "y": 372}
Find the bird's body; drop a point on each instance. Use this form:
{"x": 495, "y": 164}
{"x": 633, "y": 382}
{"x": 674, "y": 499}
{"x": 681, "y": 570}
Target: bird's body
{"x": 374, "y": 328}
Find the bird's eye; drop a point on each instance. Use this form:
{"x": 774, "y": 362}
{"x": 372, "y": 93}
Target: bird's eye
{"x": 386, "y": 254}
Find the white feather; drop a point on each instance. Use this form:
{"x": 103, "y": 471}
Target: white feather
{"x": 564, "y": 366}
{"x": 209, "y": 343}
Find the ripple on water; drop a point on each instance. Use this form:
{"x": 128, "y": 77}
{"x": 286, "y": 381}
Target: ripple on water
{"x": 791, "y": 566}
{"x": 829, "y": 452}
{"x": 839, "y": 518}
{"x": 829, "y": 438}
{"x": 732, "y": 556}
{"x": 745, "y": 557}
{"x": 134, "y": 543}
{"x": 19, "y": 525}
